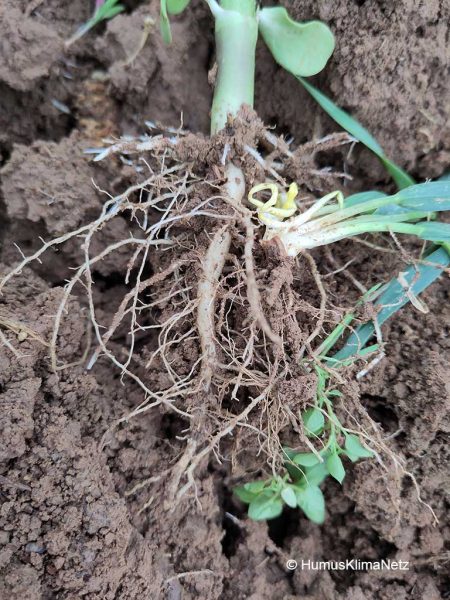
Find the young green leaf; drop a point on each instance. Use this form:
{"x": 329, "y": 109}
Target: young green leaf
{"x": 362, "y": 197}
{"x": 265, "y": 506}
{"x": 312, "y": 503}
{"x": 300, "y": 48}
{"x": 104, "y": 11}
{"x": 295, "y": 473}
{"x": 249, "y": 491}
{"x": 175, "y": 7}
{"x": 433, "y": 196}
{"x": 306, "y": 459}
{"x": 316, "y": 474}
{"x": 419, "y": 277}
{"x": 430, "y": 231}
{"x": 243, "y": 494}
{"x": 107, "y": 10}
{"x": 335, "y": 467}
{"x": 289, "y": 497}
{"x": 164, "y": 23}
{"x": 289, "y": 452}
{"x": 401, "y": 178}
{"x": 354, "y": 448}
{"x": 314, "y": 421}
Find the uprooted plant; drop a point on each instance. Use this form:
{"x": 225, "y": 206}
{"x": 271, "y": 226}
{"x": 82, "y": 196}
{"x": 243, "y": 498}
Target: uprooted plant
{"x": 223, "y": 350}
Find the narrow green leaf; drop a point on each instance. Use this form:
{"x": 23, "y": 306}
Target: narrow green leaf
{"x": 335, "y": 467}
{"x": 289, "y": 496}
{"x": 306, "y": 459}
{"x": 164, "y": 23}
{"x": 355, "y": 448}
{"x": 433, "y": 196}
{"x": 300, "y": 48}
{"x": 362, "y": 197}
{"x": 265, "y": 506}
{"x": 107, "y": 10}
{"x": 313, "y": 421}
{"x": 312, "y": 503}
{"x": 419, "y": 277}
{"x": 435, "y": 232}
{"x": 175, "y": 7}
{"x": 401, "y": 178}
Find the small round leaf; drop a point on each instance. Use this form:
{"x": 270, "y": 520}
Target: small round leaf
{"x": 301, "y": 48}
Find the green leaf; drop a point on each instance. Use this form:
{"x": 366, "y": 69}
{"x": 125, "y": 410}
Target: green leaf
{"x": 354, "y": 448}
{"x": 362, "y": 197}
{"x": 265, "y": 506}
{"x": 295, "y": 473}
{"x": 249, "y": 491}
{"x": 164, "y": 23}
{"x": 107, "y": 10}
{"x": 315, "y": 475}
{"x": 313, "y": 421}
{"x": 300, "y": 48}
{"x": 312, "y": 503}
{"x": 419, "y": 277}
{"x": 306, "y": 459}
{"x": 401, "y": 178}
{"x": 243, "y": 494}
{"x": 430, "y": 231}
{"x": 289, "y": 496}
{"x": 335, "y": 467}
{"x": 289, "y": 452}
{"x": 175, "y": 7}
{"x": 433, "y": 196}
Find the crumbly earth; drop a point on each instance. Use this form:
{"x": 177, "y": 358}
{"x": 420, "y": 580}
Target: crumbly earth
{"x": 69, "y": 526}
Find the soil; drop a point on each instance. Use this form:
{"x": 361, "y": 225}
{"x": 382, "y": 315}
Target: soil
{"x": 72, "y": 522}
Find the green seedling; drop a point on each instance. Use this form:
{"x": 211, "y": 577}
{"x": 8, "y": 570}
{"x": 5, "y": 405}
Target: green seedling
{"x": 305, "y": 471}
{"x": 409, "y": 211}
{"x": 104, "y": 10}
{"x": 350, "y": 124}
{"x": 303, "y": 49}
{"x": 401, "y": 290}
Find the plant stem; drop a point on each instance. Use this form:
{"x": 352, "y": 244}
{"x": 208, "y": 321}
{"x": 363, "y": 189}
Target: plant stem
{"x": 236, "y": 35}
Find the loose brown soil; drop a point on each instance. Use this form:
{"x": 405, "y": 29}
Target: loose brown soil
{"x": 72, "y": 523}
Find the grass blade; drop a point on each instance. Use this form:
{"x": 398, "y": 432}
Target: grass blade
{"x": 431, "y": 197}
{"x": 394, "y": 298}
{"x": 401, "y": 178}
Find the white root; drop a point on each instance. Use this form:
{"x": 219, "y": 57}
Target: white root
{"x": 212, "y": 269}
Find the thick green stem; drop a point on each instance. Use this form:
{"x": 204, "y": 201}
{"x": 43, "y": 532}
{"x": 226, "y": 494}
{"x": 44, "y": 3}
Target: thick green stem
{"x": 236, "y": 36}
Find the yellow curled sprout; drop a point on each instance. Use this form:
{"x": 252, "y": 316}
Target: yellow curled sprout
{"x": 280, "y": 205}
